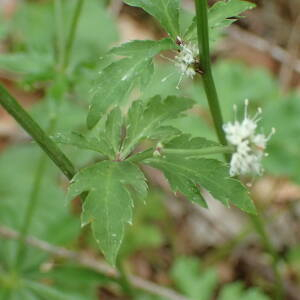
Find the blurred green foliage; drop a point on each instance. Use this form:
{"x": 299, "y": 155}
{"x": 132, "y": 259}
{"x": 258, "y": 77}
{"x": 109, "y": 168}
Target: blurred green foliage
{"x": 31, "y": 56}
{"x": 198, "y": 282}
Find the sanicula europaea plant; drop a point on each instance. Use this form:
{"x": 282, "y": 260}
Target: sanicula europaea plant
{"x": 249, "y": 145}
{"x": 110, "y": 186}
{"x": 212, "y": 97}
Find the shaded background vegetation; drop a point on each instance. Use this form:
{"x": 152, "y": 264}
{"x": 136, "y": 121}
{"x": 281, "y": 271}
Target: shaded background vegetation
{"x": 203, "y": 254}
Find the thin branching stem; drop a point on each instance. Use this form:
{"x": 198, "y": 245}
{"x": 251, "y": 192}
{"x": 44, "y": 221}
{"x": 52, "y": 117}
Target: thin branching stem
{"x": 99, "y": 266}
{"x": 260, "y": 227}
{"x": 60, "y": 34}
{"x": 213, "y": 101}
{"x": 38, "y": 177}
{"x": 64, "y": 51}
{"x": 72, "y": 33}
{"x": 11, "y": 105}
{"x": 208, "y": 81}
{"x": 30, "y": 210}
{"x": 124, "y": 278}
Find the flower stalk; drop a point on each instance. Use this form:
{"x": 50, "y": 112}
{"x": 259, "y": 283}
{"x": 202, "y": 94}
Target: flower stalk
{"x": 205, "y": 63}
{"x": 11, "y": 105}
{"x": 30, "y": 209}
{"x": 41, "y": 137}
{"x": 214, "y": 106}
{"x": 63, "y": 61}
{"x": 72, "y": 33}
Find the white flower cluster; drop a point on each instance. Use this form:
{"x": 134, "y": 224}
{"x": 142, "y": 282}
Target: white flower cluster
{"x": 249, "y": 146}
{"x": 186, "y": 58}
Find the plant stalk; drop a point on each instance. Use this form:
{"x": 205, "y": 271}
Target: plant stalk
{"x": 124, "y": 279}
{"x": 205, "y": 62}
{"x": 260, "y": 227}
{"x": 11, "y": 105}
{"x": 60, "y": 34}
{"x": 30, "y": 209}
{"x": 72, "y": 33}
{"x": 33, "y": 202}
{"x": 214, "y": 106}
{"x": 24, "y": 119}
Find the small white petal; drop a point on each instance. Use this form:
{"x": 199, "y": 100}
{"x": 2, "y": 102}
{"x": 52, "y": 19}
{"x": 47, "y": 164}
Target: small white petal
{"x": 249, "y": 145}
{"x": 186, "y": 59}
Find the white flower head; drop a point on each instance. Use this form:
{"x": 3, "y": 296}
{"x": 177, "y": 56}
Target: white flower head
{"x": 186, "y": 59}
{"x": 250, "y": 146}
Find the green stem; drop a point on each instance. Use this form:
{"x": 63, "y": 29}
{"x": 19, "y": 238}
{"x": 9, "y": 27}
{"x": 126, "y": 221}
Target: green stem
{"x": 60, "y": 35}
{"x": 37, "y": 133}
{"x": 30, "y": 209}
{"x": 124, "y": 280}
{"x": 220, "y": 253}
{"x": 208, "y": 81}
{"x": 71, "y": 36}
{"x": 33, "y": 202}
{"x": 213, "y": 101}
{"x": 33, "y": 129}
{"x": 259, "y": 225}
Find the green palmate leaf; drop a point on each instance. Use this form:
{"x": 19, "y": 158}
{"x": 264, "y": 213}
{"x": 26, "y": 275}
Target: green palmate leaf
{"x": 113, "y": 129}
{"x": 147, "y": 48}
{"x": 222, "y": 10}
{"x": 108, "y": 141}
{"x": 145, "y": 119}
{"x": 113, "y": 84}
{"x": 82, "y": 142}
{"x": 117, "y": 79}
{"x": 165, "y": 133}
{"x": 165, "y": 11}
{"x": 108, "y": 205}
{"x": 186, "y": 174}
{"x": 184, "y": 141}
{"x": 219, "y": 14}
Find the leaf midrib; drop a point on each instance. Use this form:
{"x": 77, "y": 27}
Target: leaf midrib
{"x": 142, "y": 134}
